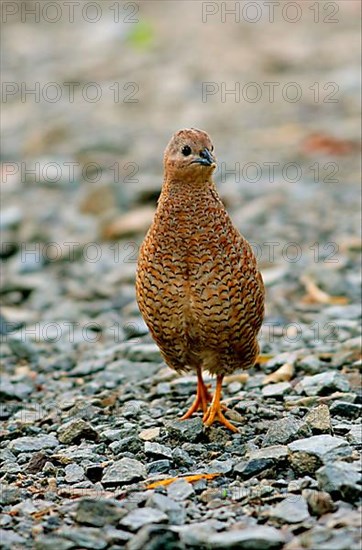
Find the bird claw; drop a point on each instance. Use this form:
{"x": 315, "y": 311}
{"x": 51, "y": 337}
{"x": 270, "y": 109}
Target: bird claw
{"x": 214, "y": 413}
{"x": 202, "y": 399}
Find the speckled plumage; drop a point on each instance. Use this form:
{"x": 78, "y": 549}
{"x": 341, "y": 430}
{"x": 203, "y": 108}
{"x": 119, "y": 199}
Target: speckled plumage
{"x": 198, "y": 287}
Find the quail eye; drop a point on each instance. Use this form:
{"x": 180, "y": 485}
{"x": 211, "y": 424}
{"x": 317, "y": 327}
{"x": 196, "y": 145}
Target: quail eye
{"x": 186, "y": 151}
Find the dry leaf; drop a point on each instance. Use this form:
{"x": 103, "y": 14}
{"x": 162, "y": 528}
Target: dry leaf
{"x": 263, "y": 358}
{"x": 190, "y": 479}
{"x": 283, "y": 374}
{"x": 316, "y": 295}
{"x": 241, "y": 377}
{"x": 327, "y": 145}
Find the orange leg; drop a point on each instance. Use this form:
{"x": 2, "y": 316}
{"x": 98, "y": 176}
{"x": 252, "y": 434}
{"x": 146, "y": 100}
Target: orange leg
{"x": 202, "y": 398}
{"x": 214, "y": 412}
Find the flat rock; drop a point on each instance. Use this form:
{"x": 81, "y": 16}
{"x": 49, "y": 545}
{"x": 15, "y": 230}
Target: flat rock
{"x": 307, "y": 455}
{"x": 98, "y": 512}
{"x": 261, "y": 459}
{"x": 190, "y": 430}
{"x": 323, "y": 384}
{"x": 354, "y": 436}
{"x": 157, "y": 450}
{"x": 14, "y": 390}
{"x": 276, "y": 390}
{"x": 11, "y": 540}
{"x": 143, "y": 352}
{"x": 124, "y": 471}
{"x": 340, "y": 479}
{"x": 252, "y": 467}
{"x": 9, "y": 494}
{"x": 33, "y": 443}
{"x": 49, "y": 542}
{"x": 143, "y": 516}
{"x": 154, "y": 537}
{"x": 74, "y": 473}
{"x": 76, "y": 430}
{"x": 219, "y": 466}
{"x": 293, "y": 509}
{"x": 284, "y": 431}
{"x": 174, "y": 510}
{"x": 251, "y": 538}
{"x": 346, "y": 409}
{"x": 83, "y": 537}
{"x": 275, "y": 452}
{"x": 180, "y": 490}
{"x": 158, "y": 467}
{"x": 149, "y": 434}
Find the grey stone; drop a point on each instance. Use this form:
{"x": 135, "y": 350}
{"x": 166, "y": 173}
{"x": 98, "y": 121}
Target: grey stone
{"x": 50, "y": 542}
{"x": 157, "y": 450}
{"x": 196, "y": 535}
{"x": 182, "y": 458}
{"x": 219, "y": 466}
{"x": 340, "y": 479}
{"x": 84, "y": 537}
{"x": 174, "y": 510}
{"x": 9, "y": 494}
{"x": 180, "y": 490}
{"x": 155, "y": 537}
{"x": 261, "y": 459}
{"x": 350, "y": 311}
{"x": 88, "y": 367}
{"x": 252, "y": 467}
{"x": 283, "y": 431}
{"x": 10, "y": 217}
{"x": 190, "y": 430}
{"x": 234, "y": 387}
{"x": 276, "y": 390}
{"x": 73, "y": 473}
{"x": 10, "y": 540}
{"x": 33, "y": 443}
{"x": 158, "y": 467}
{"x": 251, "y": 538}
{"x": 117, "y": 537}
{"x": 124, "y": 471}
{"x": 142, "y": 352}
{"x": 354, "y": 436}
{"x": 275, "y": 452}
{"x": 22, "y": 348}
{"x": 293, "y": 509}
{"x": 307, "y": 455}
{"x": 14, "y": 390}
{"x": 346, "y": 409}
{"x": 98, "y": 512}
{"x": 131, "y": 444}
{"x": 163, "y": 388}
{"x": 76, "y": 430}
{"x": 310, "y": 364}
{"x": 323, "y": 383}
{"x": 111, "y": 435}
{"x": 143, "y": 516}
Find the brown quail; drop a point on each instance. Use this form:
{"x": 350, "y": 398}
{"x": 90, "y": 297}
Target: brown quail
{"x": 198, "y": 286}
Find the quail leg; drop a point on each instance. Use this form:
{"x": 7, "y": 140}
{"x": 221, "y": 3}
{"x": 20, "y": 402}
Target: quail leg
{"x": 202, "y": 398}
{"x": 214, "y": 412}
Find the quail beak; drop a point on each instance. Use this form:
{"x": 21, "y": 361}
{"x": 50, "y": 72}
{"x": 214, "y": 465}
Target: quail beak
{"x": 205, "y": 158}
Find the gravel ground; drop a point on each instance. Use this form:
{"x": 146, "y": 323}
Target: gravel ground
{"x": 89, "y": 412}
